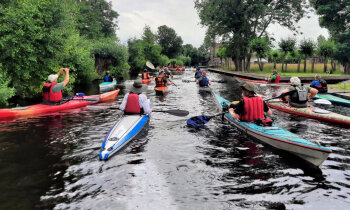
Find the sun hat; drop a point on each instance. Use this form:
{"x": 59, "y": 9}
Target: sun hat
{"x": 248, "y": 86}
{"x": 52, "y": 77}
{"x": 295, "y": 81}
{"x": 137, "y": 87}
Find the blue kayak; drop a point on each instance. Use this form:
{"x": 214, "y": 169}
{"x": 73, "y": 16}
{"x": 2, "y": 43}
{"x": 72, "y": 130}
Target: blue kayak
{"x": 107, "y": 86}
{"x": 122, "y": 132}
{"x": 333, "y": 99}
{"x": 280, "y": 138}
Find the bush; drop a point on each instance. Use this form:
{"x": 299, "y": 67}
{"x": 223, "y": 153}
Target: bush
{"x": 5, "y": 91}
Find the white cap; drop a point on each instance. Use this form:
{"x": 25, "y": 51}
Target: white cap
{"x": 52, "y": 77}
{"x": 295, "y": 81}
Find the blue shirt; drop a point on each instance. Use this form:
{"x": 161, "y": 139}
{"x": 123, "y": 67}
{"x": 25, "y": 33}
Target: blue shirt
{"x": 108, "y": 78}
{"x": 315, "y": 84}
{"x": 203, "y": 81}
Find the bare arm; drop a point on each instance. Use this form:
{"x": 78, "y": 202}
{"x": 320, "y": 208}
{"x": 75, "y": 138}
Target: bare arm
{"x": 313, "y": 92}
{"x": 66, "y": 79}
{"x": 233, "y": 114}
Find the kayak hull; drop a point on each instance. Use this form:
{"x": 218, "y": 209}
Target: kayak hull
{"x": 122, "y": 132}
{"x": 42, "y": 108}
{"x": 161, "y": 90}
{"x": 280, "y": 138}
{"x": 107, "y": 86}
{"x": 334, "y": 99}
{"x": 310, "y": 112}
{"x": 146, "y": 81}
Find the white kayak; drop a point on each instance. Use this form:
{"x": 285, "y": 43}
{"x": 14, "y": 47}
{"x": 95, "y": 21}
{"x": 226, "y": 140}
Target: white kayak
{"x": 122, "y": 132}
{"x": 107, "y": 86}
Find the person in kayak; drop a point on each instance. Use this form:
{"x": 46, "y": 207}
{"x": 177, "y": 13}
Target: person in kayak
{"x": 203, "y": 81}
{"x": 145, "y": 74}
{"x": 251, "y": 107}
{"x": 198, "y": 73}
{"x": 52, "y": 91}
{"x": 319, "y": 84}
{"x": 108, "y": 77}
{"x": 297, "y": 95}
{"x": 135, "y": 102}
{"x": 274, "y": 78}
{"x": 167, "y": 72}
{"x": 162, "y": 80}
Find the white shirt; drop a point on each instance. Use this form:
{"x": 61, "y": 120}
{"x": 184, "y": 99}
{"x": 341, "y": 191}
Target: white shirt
{"x": 143, "y": 102}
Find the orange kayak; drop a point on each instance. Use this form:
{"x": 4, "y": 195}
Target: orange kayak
{"x": 161, "y": 89}
{"x": 146, "y": 81}
{"x": 75, "y": 102}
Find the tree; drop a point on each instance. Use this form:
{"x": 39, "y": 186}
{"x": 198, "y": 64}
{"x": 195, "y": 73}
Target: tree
{"x": 261, "y": 46}
{"x": 238, "y": 22}
{"x": 286, "y": 45}
{"x": 320, "y": 40}
{"x": 307, "y": 48}
{"x": 148, "y": 35}
{"x": 275, "y": 55}
{"x": 326, "y": 50}
{"x": 169, "y": 41}
{"x": 334, "y": 15}
{"x": 96, "y": 19}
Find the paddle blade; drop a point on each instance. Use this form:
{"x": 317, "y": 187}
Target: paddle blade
{"x": 198, "y": 121}
{"x": 91, "y": 100}
{"x": 175, "y": 112}
{"x": 150, "y": 65}
{"x": 322, "y": 101}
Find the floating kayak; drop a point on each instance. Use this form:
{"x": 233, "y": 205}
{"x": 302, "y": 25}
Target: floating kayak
{"x": 161, "y": 89}
{"x": 122, "y": 132}
{"x": 42, "y": 108}
{"x": 146, "y": 81}
{"x": 263, "y": 82}
{"x": 280, "y": 138}
{"x": 333, "y": 99}
{"x": 311, "y": 112}
{"x": 107, "y": 86}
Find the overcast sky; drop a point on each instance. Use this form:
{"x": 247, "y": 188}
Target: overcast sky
{"x": 183, "y": 18}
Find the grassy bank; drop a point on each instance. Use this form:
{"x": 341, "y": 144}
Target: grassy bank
{"x": 341, "y": 86}
{"x": 292, "y": 69}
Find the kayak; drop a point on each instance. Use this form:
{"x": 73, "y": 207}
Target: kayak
{"x": 204, "y": 88}
{"x": 161, "y": 89}
{"x": 146, "y": 81}
{"x": 263, "y": 82}
{"x": 333, "y": 99}
{"x": 107, "y": 86}
{"x": 75, "y": 102}
{"x": 122, "y": 132}
{"x": 310, "y": 112}
{"x": 279, "y": 138}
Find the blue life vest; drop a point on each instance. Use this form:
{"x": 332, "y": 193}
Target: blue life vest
{"x": 198, "y": 74}
{"x": 203, "y": 81}
{"x": 108, "y": 78}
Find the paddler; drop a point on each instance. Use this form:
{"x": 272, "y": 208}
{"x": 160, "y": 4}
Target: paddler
{"x": 198, "y": 73}
{"x": 203, "y": 81}
{"x": 167, "y": 72}
{"x": 108, "y": 77}
{"x": 145, "y": 74}
{"x": 274, "y": 78}
{"x": 251, "y": 107}
{"x": 162, "y": 80}
{"x": 319, "y": 84}
{"x": 297, "y": 95}
{"x": 52, "y": 91}
{"x": 135, "y": 102}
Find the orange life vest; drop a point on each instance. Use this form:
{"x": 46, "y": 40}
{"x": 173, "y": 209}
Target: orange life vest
{"x": 49, "y": 95}
{"x": 160, "y": 82}
{"x": 253, "y": 109}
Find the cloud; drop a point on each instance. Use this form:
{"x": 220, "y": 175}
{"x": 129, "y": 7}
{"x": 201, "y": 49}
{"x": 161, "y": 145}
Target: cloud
{"x": 183, "y": 18}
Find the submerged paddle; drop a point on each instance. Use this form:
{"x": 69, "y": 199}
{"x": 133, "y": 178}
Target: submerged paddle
{"x": 201, "y": 120}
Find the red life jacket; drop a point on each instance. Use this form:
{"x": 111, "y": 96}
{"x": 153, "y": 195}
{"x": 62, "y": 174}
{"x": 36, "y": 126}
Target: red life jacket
{"x": 132, "y": 104}
{"x": 277, "y": 80}
{"x": 49, "y": 95}
{"x": 253, "y": 109}
{"x": 160, "y": 82}
{"x": 145, "y": 75}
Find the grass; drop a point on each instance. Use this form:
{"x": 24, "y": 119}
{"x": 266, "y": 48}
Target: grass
{"x": 341, "y": 86}
{"x": 291, "y": 69}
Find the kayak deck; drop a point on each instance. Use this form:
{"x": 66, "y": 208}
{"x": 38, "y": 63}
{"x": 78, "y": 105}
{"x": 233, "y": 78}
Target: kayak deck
{"x": 333, "y": 99}
{"x": 280, "y": 138}
{"x": 310, "y": 112}
{"x": 105, "y": 86}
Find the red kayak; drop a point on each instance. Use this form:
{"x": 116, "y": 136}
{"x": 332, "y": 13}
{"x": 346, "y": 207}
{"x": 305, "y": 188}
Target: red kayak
{"x": 75, "y": 102}
{"x": 146, "y": 81}
{"x": 265, "y": 82}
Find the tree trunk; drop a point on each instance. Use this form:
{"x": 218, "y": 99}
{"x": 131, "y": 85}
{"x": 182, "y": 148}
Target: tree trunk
{"x": 274, "y": 65}
{"x": 282, "y": 65}
{"x": 334, "y": 66}
{"x": 299, "y": 65}
{"x": 346, "y": 68}
{"x": 305, "y": 64}
{"x": 325, "y": 62}
{"x": 312, "y": 66}
{"x": 286, "y": 67}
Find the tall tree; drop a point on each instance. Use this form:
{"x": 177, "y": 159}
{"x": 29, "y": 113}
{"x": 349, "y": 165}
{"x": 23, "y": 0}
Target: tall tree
{"x": 334, "y": 15}
{"x": 261, "y": 46}
{"x": 307, "y": 48}
{"x": 170, "y": 42}
{"x": 96, "y": 19}
{"x": 326, "y": 50}
{"x": 286, "y": 45}
{"x": 241, "y": 21}
{"x": 274, "y": 55}
{"x": 148, "y": 35}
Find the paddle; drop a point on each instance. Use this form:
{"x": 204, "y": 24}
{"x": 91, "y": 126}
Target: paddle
{"x": 151, "y": 66}
{"x": 218, "y": 81}
{"x": 201, "y": 120}
{"x": 175, "y": 112}
{"x": 318, "y": 101}
{"x": 90, "y": 100}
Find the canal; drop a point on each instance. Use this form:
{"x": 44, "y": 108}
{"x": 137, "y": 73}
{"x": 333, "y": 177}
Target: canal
{"x": 52, "y": 161}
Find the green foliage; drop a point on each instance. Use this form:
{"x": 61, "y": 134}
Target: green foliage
{"x": 261, "y": 46}
{"x": 5, "y": 91}
{"x": 169, "y": 41}
{"x": 183, "y": 60}
{"x": 293, "y": 56}
{"x": 96, "y": 19}
{"x": 137, "y": 58}
{"x": 326, "y": 49}
{"x": 342, "y": 53}
{"x": 148, "y": 35}
{"x": 307, "y": 48}
{"x": 287, "y": 45}
{"x": 275, "y": 56}
{"x": 164, "y": 60}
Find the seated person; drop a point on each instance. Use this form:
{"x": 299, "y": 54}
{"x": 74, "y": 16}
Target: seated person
{"x": 52, "y": 91}
{"x": 274, "y": 78}
{"x": 145, "y": 75}
{"x": 162, "y": 80}
{"x": 319, "y": 84}
{"x": 203, "y": 81}
{"x": 135, "y": 102}
{"x": 108, "y": 77}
